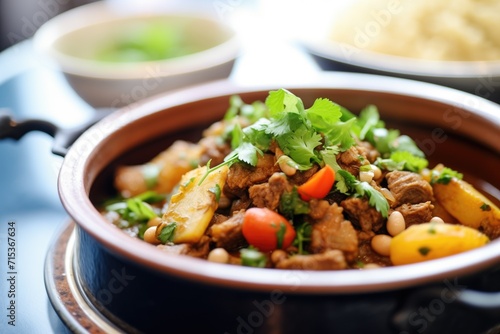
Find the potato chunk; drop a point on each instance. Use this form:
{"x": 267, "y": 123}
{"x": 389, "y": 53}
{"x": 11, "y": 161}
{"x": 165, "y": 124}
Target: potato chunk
{"x": 469, "y": 206}
{"x": 193, "y": 205}
{"x": 429, "y": 241}
{"x": 160, "y": 174}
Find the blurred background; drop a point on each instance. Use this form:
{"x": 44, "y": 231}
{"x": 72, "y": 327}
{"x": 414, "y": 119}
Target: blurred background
{"x": 20, "y": 19}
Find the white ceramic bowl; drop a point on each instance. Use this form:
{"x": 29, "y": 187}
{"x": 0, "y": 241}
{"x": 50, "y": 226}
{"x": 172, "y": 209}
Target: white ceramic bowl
{"x": 479, "y": 77}
{"x": 71, "y": 40}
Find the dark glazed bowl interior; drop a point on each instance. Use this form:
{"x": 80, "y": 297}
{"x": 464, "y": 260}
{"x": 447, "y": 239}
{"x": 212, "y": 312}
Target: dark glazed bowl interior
{"x": 452, "y": 127}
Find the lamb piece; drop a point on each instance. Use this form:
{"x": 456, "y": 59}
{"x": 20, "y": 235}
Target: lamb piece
{"x": 318, "y": 208}
{"x": 334, "y": 232}
{"x": 368, "y": 255}
{"x": 242, "y": 176}
{"x": 302, "y": 176}
{"x": 416, "y": 213}
{"x": 228, "y": 234}
{"x": 329, "y": 260}
{"x": 199, "y": 249}
{"x": 408, "y": 187}
{"x": 242, "y": 203}
{"x": 368, "y": 150}
{"x": 349, "y": 160}
{"x": 362, "y": 214}
{"x": 267, "y": 195}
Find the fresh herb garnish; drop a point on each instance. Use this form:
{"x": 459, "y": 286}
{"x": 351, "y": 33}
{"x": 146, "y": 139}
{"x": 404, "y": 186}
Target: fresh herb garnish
{"x": 409, "y": 161}
{"x": 251, "y": 257}
{"x": 280, "y": 235}
{"x": 150, "y": 174}
{"x": 216, "y": 191}
{"x": 424, "y": 250}
{"x": 444, "y": 175}
{"x": 485, "y": 207}
{"x": 167, "y": 233}
{"x": 291, "y": 204}
{"x": 303, "y": 235}
{"x": 362, "y": 189}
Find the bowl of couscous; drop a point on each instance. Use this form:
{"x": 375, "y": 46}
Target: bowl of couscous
{"x": 449, "y": 43}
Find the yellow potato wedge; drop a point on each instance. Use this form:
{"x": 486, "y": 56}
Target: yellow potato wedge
{"x": 469, "y": 206}
{"x": 162, "y": 173}
{"x": 429, "y": 241}
{"x": 193, "y": 205}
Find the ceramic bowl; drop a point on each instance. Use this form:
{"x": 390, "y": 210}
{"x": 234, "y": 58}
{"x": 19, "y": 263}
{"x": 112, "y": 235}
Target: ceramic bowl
{"x": 75, "y": 43}
{"x": 478, "y": 77}
{"x": 138, "y": 288}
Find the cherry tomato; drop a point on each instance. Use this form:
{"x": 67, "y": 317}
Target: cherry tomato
{"x": 267, "y": 230}
{"x": 319, "y": 185}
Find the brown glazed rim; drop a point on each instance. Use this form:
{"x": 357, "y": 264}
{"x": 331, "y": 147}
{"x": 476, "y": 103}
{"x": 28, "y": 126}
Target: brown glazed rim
{"x": 110, "y": 138}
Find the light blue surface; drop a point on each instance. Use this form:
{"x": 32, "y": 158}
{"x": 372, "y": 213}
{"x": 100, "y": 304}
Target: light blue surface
{"x": 28, "y": 185}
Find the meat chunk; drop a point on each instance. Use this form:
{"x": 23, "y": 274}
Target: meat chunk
{"x": 334, "y": 232}
{"x": 329, "y": 260}
{"x": 416, "y": 213}
{"x": 199, "y": 249}
{"x": 362, "y": 214}
{"x": 227, "y": 234}
{"x": 267, "y": 195}
{"x": 408, "y": 187}
{"x": 349, "y": 160}
{"x": 242, "y": 176}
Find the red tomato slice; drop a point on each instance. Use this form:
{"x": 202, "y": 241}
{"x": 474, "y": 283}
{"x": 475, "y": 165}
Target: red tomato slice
{"x": 319, "y": 185}
{"x": 267, "y": 230}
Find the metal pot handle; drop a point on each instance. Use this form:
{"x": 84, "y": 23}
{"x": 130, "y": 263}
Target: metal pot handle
{"x": 63, "y": 138}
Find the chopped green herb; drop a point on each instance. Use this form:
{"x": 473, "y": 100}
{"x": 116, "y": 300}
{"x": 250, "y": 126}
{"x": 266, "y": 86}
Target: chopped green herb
{"x": 280, "y": 235}
{"x": 410, "y": 162}
{"x": 362, "y": 188}
{"x": 444, "y": 176}
{"x": 251, "y": 257}
{"x": 216, "y": 191}
{"x": 303, "y": 235}
{"x": 485, "y": 207}
{"x": 424, "y": 250}
{"x": 188, "y": 182}
{"x": 167, "y": 233}
{"x": 432, "y": 228}
{"x": 291, "y": 204}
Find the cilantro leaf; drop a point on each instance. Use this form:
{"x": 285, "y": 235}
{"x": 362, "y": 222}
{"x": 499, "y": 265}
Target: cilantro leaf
{"x": 444, "y": 175}
{"x": 410, "y": 162}
{"x": 405, "y": 143}
{"x": 323, "y": 113}
{"x": 362, "y": 189}
{"x": 300, "y": 145}
{"x": 340, "y": 134}
{"x": 280, "y": 100}
{"x": 329, "y": 156}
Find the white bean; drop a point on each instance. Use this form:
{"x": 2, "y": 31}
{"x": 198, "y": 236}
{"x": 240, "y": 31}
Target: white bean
{"x": 150, "y": 236}
{"x": 436, "y": 220}
{"x": 219, "y": 255}
{"x": 377, "y": 173}
{"x": 395, "y": 223}
{"x": 371, "y": 266}
{"x": 285, "y": 167}
{"x": 366, "y": 176}
{"x": 381, "y": 244}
